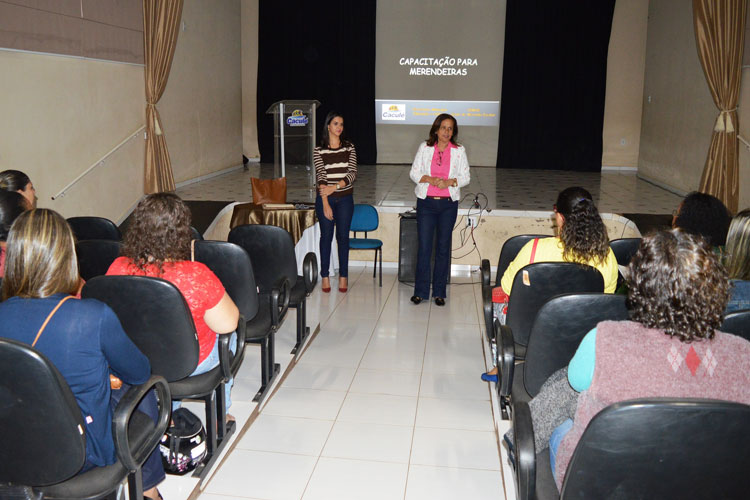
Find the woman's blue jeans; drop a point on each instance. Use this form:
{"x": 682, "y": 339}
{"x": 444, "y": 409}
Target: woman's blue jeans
{"x": 343, "y": 208}
{"x": 434, "y": 217}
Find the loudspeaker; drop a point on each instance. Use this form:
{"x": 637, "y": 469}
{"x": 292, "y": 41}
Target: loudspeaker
{"x": 408, "y": 247}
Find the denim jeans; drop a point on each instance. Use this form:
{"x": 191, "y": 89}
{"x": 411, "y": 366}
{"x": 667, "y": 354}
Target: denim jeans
{"x": 211, "y": 362}
{"x": 554, "y": 441}
{"x": 434, "y": 216}
{"x": 343, "y": 208}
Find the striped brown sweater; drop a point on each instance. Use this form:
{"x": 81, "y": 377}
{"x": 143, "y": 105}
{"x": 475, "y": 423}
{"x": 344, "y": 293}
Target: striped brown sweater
{"x": 334, "y": 165}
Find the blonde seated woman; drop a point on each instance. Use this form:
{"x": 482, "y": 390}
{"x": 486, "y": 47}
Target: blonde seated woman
{"x": 581, "y": 237}
{"x": 737, "y": 262}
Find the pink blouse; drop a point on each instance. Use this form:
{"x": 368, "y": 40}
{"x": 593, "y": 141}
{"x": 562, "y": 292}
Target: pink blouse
{"x": 440, "y": 167}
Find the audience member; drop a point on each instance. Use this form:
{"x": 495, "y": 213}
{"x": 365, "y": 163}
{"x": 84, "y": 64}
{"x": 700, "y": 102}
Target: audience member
{"x": 83, "y": 338}
{"x": 737, "y": 261}
{"x": 157, "y": 243}
{"x": 704, "y": 215}
{"x": 581, "y": 237}
{"x": 677, "y": 294}
{"x": 12, "y": 205}
{"x": 15, "y": 180}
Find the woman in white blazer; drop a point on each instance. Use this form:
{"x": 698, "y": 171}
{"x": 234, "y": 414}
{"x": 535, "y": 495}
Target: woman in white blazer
{"x": 440, "y": 170}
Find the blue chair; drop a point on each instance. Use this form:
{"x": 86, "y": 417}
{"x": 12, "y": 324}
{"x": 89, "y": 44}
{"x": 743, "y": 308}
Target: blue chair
{"x": 366, "y": 219}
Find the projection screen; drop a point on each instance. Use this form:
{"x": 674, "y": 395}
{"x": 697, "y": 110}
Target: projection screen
{"x": 438, "y": 56}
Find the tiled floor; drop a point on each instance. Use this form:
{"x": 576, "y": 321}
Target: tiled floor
{"x": 389, "y": 185}
{"x": 385, "y": 403}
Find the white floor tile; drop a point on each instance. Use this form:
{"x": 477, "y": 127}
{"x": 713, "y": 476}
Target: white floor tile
{"x": 446, "y": 483}
{"x": 376, "y": 442}
{"x": 406, "y": 336}
{"x": 453, "y": 386}
{"x": 386, "y": 382}
{"x": 272, "y": 476}
{"x": 465, "y": 414}
{"x": 339, "y": 479}
{"x": 379, "y": 409}
{"x": 460, "y": 361}
{"x": 301, "y": 436}
{"x": 305, "y": 403}
{"x": 329, "y": 378}
{"x": 377, "y": 358}
{"x": 455, "y": 448}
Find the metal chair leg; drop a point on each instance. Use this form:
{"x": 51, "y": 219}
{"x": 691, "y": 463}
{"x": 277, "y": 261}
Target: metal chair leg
{"x": 381, "y": 266}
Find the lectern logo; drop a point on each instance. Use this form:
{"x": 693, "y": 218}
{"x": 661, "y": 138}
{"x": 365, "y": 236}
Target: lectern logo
{"x": 393, "y": 112}
{"x": 297, "y": 119}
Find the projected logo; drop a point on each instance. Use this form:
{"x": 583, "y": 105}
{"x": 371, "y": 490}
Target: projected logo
{"x": 395, "y": 112}
{"x": 297, "y": 119}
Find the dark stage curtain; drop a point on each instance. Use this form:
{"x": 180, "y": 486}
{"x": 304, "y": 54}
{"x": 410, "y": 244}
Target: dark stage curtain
{"x": 324, "y": 51}
{"x": 554, "y": 78}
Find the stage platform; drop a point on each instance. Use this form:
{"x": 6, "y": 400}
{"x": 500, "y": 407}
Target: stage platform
{"x": 511, "y": 202}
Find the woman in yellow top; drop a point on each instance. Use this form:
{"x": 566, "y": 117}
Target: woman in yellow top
{"x": 581, "y": 237}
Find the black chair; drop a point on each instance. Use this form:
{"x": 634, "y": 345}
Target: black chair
{"x": 556, "y": 333}
{"x": 95, "y": 257}
{"x": 157, "y": 319}
{"x": 624, "y": 249}
{"x": 43, "y": 441}
{"x": 645, "y": 448}
{"x": 508, "y": 252}
{"x": 737, "y": 323}
{"x": 94, "y": 228}
{"x": 271, "y": 251}
{"x": 259, "y": 315}
{"x": 196, "y": 235}
{"x": 545, "y": 280}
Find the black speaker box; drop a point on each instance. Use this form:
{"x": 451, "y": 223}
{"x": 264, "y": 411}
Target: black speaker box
{"x": 408, "y": 247}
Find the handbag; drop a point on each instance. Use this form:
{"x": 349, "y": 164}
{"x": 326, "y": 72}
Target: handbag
{"x": 268, "y": 190}
{"x": 183, "y": 447}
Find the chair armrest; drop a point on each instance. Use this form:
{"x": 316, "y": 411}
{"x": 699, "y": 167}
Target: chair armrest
{"x": 523, "y": 436}
{"x": 310, "y": 271}
{"x": 506, "y": 358}
{"x": 225, "y": 355}
{"x": 279, "y": 302}
{"x": 487, "y": 311}
{"x": 239, "y": 354}
{"x": 486, "y": 273}
{"x": 132, "y": 459}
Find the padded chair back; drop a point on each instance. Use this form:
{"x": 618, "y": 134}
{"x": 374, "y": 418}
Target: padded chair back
{"x": 558, "y": 329}
{"x": 737, "y": 323}
{"x": 94, "y": 228}
{"x": 195, "y": 234}
{"x": 42, "y": 426}
{"x": 545, "y": 280}
{"x": 155, "y": 316}
{"x": 231, "y": 264}
{"x": 624, "y": 249}
{"x": 510, "y": 249}
{"x": 95, "y": 257}
{"x": 271, "y": 251}
{"x": 663, "y": 448}
{"x": 365, "y": 218}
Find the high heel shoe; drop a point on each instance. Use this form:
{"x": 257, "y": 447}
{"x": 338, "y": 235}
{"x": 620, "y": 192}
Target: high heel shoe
{"x": 326, "y": 289}
{"x": 344, "y": 288}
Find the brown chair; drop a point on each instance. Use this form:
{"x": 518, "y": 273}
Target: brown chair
{"x": 268, "y": 190}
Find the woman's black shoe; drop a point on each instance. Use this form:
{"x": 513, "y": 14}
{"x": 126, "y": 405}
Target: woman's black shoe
{"x": 416, "y": 299}
{"x": 439, "y": 301}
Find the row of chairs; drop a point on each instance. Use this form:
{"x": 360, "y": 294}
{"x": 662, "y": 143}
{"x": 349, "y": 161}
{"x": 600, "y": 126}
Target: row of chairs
{"x": 546, "y": 331}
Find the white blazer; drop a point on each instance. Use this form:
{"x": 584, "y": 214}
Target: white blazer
{"x": 459, "y": 170}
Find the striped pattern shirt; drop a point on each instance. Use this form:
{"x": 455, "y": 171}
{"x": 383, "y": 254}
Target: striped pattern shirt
{"x": 334, "y": 165}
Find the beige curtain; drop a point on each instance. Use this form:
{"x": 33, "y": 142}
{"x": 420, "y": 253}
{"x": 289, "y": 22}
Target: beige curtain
{"x": 720, "y": 37}
{"x": 161, "y": 23}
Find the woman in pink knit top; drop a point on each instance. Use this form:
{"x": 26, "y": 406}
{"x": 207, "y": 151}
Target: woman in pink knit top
{"x": 677, "y": 294}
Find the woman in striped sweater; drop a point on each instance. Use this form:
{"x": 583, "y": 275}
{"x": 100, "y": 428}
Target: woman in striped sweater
{"x": 335, "y": 171}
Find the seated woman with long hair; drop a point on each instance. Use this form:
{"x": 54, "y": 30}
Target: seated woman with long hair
{"x": 83, "y": 338}
{"x": 581, "y": 237}
{"x": 737, "y": 261}
{"x": 671, "y": 347}
{"x": 157, "y": 243}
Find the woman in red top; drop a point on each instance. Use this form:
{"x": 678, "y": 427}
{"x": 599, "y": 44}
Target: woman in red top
{"x": 157, "y": 243}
